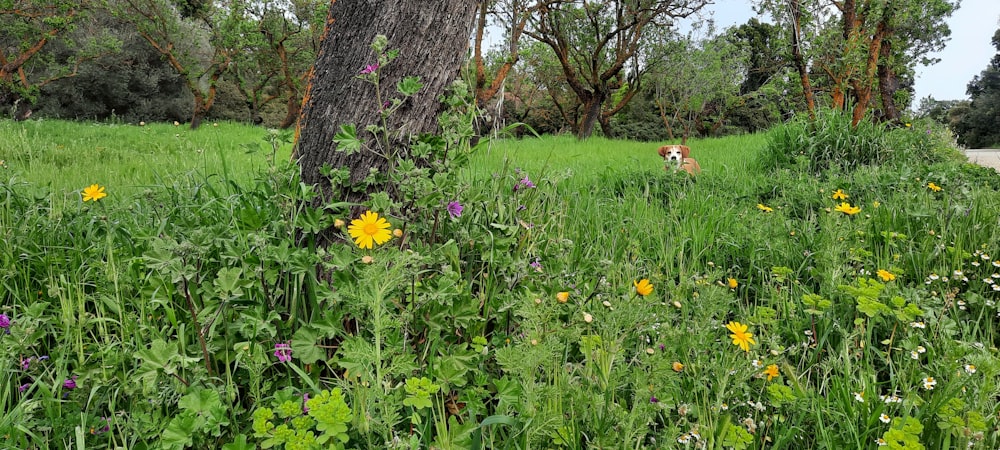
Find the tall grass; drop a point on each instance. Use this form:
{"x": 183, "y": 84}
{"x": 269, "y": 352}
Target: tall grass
{"x": 519, "y": 326}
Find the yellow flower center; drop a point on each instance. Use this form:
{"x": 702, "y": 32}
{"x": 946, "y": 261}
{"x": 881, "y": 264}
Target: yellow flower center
{"x": 371, "y": 228}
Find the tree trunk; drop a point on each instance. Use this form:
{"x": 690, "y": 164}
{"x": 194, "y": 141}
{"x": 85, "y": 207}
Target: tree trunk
{"x": 293, "y": 108}
{"x": 591, "y": 114}
{"x": 432, "y": 37}
{"x": 888, "y": 84}
{"x": 799, "y": 59}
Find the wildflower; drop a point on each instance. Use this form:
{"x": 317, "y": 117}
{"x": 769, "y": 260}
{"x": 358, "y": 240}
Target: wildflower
{"x": 840, "y": 195}
{"x": 368, "y": 229}
{"x": 764, "y": 207}
{"x": 757, "y": 364}
{"x": 653, "y": 399}
{"x": 933, "y": 187}
{"x": 283, "y": 352}
{"x": 684, "y": 439}
{"x": 914, "y": 355}
{"x": 876, "y": 204}
{"x": 884, "y": 418}
{"x": 677, "y": 366}
{"x": 70, "y": 383}
{"x": 524, "y": 182}
{"x": 305, "y": 403}
{"x": 5, "y": 323}
{"x": 732, "y": 283}
{"x": 859, "y": 396}
{"x": 921, "y": 349}
{"x": 881, "y": 442}
{"x": 367, "y": 259}
{"x": 771, "y": 372}
{"x": 587, "y": 317}
{"x": 23, "y": 387}
{"x": 996, "y": 263}
{"x": 885, "y": 275}
{"x": 846, "y": 208}
{"x": 537, "y": 265}
{"x": 740, "y": 336}
{"x": 643, "y": 287}
{"x": 929, "y": 383}
{"x": 970, "y": 369}
{"x": 338, "y": 223}
{"x": 93, "y": 192}
{"x": 397, "y": 233}
{"x": 371, "y": 68}
{"x": 562, "y": 297}
{"x": 455, "y": 209}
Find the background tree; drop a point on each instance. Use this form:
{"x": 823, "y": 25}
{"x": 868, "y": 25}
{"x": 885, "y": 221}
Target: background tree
{"x": 27, "y": 28}
{"x": 979, "y": 125}
{"x": 187, "y": 36}
{"x": 428, "y": 47}
{"x": 596, "y": 44}
{"x": 696, "y": 79}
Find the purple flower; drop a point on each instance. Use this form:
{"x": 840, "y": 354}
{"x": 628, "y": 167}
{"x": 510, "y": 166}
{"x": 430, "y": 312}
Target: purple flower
{"x": 283, "y": 352}
{"x": 5, "y": 323}
{"x": 369, "y": 69}
{"x": 104, "y": 429}
{"x": 25, "y": 363}
{"x": 455, "y": 209}
{"x": 23, "y": 387}
{"x": 305, "y": 401}
{"x": 526, "y": 182}
{"x": 70, "y": 383}
{"x": 653, "y": 399}
{"x": 536, "y": 264}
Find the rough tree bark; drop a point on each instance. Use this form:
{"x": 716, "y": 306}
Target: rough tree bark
{"x": 432, "y": 37}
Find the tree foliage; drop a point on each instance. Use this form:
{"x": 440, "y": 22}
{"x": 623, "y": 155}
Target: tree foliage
{"x": 597, "y": 44}
{"x": 979, "y": 124}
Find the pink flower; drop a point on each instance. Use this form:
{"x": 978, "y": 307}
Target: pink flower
{"x": 70, "y": 383}
{"x": 371, "y": 68}
{"x": 283, "y": 352}
{"x": 455, "y": 209}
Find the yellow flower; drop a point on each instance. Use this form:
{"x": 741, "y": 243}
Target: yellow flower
{"x": 876, "y": 204}
{"x": 368, "y": 229}
{"x": 764, "y": 207}
{"x": 643, "y": 287}
{"x": 562, "y": 297}
{"x": 732, "y": 283}
{"x": 933, "y": 187}
{"x": 338, "y": 223}
{"x": 846, "y": 208}
{"x": 840, "y": 195}
{"x": 772, "y": 372}
{"x": 740, "y": 335}
{"x": 93, "y": 192}
{"x": 677, "y": 366}
{"x": 397, "y": 232}
{"x": 885, "y": 275}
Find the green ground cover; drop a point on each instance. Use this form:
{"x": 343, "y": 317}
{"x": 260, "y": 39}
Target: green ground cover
{"x": 812, "y": 288}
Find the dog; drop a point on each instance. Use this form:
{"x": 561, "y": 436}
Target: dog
{"x": 678, "y": 157}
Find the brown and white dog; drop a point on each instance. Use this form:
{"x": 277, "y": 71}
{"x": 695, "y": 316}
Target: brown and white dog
{"x": 677, "y": 157}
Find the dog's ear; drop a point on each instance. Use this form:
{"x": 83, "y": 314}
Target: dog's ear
{"x": 663, "y": 151}
{"x": 685, "y": 151}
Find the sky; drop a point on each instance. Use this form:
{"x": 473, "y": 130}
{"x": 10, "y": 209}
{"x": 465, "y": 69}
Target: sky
{"x": 965, "y": 55}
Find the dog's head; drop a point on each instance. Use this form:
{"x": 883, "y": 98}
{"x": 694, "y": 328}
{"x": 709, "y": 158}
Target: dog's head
{"x": 675, "y": 152}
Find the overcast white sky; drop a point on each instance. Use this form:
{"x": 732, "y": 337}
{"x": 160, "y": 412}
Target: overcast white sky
{"x": 966, "y": 54}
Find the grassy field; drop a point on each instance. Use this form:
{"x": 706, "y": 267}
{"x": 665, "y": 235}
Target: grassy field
{"x": 807, "y": 290}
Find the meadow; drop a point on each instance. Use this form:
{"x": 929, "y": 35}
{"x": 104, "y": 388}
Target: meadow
{"x": 814, "y": 287}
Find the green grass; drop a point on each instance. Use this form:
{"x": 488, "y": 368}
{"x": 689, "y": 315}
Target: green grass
{"x": 167, "y": 299}
{"x": 68, "y": 156}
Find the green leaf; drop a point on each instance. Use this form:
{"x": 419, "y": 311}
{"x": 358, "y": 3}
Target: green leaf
{"x": 409, "y": 85}
{"x": 158, "y": 356}
{"x": 347, "y": 139}
{"x": 240, "y": 443}
{"x": 180, "y": 432}
{"x": 304, "y": 345}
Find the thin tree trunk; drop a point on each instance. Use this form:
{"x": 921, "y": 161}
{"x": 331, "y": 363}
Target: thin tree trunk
{"x": 799, "y": 59}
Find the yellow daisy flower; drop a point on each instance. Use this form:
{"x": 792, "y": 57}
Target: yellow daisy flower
{"x": 772, "y": 372}
{"x": 764, "y": 207}
{"x": 885, "y": 275}
{"x": 740, "y": 336}
{"x": 93, "y": 192}
{"x": 732, "y": 283}
{"x": 846, "y": 208}
{"x": 368, "y": 229}
{"x": 562, "y": 297}
{"x": 934, "y": 187}
{"x": 840, "y": 195}
{"x": 643, "y": 287}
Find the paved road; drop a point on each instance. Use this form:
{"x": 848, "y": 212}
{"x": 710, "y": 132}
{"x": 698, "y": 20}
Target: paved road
{"x": 985, "y": 157}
